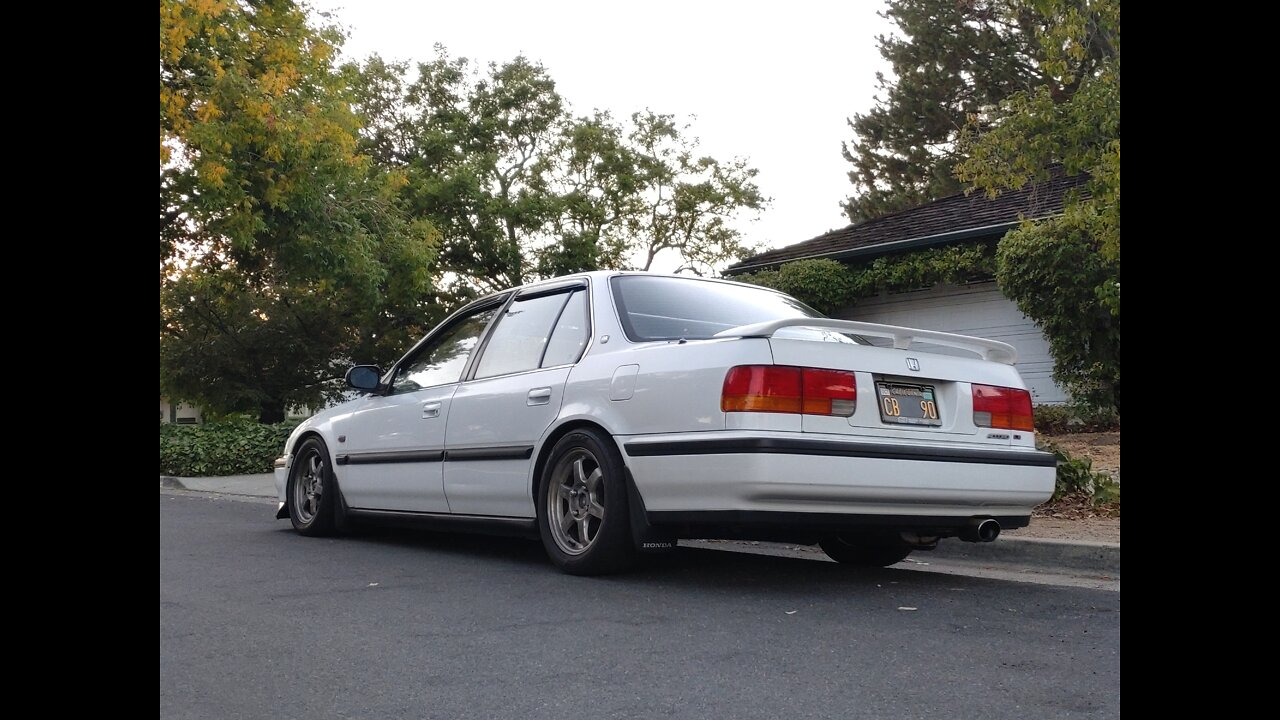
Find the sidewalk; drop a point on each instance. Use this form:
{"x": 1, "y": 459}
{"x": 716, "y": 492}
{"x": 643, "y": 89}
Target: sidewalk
{"x": 1018, "y": 547}
{"x": 261, "y": 485}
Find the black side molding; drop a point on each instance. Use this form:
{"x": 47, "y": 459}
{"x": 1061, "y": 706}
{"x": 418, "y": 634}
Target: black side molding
{"x": 509, "y": 452}
{"x": 839, "y": 448}
{"x": 505, "y": 452}
{"x": 402, "y": 456}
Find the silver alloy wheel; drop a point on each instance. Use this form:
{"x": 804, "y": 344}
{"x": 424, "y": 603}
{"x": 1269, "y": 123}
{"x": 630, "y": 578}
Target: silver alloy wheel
{"x": 309, "y": 487}
{"x": 575, "y": 501}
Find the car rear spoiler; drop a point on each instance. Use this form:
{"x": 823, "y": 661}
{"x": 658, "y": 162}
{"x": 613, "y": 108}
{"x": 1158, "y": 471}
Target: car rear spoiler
{"x": 902, "y": 337}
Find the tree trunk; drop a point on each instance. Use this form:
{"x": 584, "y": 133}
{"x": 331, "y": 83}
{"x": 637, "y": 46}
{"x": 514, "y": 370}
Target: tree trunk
{"x": 271, "y": 413}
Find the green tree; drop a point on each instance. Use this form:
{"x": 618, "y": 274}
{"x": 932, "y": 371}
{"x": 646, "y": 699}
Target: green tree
{"x": 1064, "y": 273}
{"x": 283, "y": 252}
{"x": 949, "y": 61}
{"x": 521, "y": 188}
{"x": 687, "y": 201}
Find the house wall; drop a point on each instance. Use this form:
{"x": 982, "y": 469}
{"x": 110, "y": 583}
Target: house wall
{"x": 976, "y": 309}
{"x": 182, "y": 413}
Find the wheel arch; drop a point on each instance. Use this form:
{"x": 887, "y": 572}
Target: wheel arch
{"x": 549, "y": 442}
{"x": 286, "y": 511}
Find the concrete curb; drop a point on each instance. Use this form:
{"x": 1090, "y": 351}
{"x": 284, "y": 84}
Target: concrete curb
{"x": 1102, "y": 558}
{"x": 258, "y": 485}
{"x": 1038, "y": 553}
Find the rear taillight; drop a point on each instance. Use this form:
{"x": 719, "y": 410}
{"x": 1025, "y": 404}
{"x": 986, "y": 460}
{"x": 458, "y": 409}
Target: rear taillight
{"x": 781, "y": 389}
{"x": 1002, "y": 407}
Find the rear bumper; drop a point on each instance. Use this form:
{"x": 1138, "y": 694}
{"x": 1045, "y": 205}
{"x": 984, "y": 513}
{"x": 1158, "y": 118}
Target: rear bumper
{"x": 823, "y": 482}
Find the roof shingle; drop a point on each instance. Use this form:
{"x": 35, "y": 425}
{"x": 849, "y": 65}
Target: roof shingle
{"x": 961, "y": 216}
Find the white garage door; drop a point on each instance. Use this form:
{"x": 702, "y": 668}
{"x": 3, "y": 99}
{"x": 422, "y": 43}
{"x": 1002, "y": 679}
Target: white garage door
{"x": 979, "y": 309}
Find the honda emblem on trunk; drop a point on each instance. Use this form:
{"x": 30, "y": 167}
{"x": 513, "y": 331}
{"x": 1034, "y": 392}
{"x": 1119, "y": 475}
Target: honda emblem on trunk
{"x": 913, "y": 364}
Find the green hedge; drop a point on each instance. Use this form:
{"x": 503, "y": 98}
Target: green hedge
{"x": 231, "y": 448}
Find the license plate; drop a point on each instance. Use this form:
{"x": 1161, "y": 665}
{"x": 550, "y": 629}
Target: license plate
{"x": 908, "y": 404}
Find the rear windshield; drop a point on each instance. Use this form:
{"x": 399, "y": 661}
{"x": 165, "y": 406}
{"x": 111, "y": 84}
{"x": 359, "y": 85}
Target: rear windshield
{"x": 670, "y": 308}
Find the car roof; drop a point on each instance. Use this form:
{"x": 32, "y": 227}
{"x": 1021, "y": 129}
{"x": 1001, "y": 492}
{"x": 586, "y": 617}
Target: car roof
{"x": 604, "y": 274}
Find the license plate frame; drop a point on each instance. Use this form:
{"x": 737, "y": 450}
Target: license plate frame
{"x": 910, "y": 397}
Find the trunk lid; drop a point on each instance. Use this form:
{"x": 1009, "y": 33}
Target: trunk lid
{"x": 910, "y": 377}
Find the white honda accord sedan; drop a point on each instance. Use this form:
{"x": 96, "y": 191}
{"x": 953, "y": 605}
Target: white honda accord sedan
{"x": 613, "y": 413}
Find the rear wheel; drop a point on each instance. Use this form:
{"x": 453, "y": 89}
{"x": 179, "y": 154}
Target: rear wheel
{"x": 865, "y": 551}
{"x": 582, "y": 506}
{"x": 312, "y": 492}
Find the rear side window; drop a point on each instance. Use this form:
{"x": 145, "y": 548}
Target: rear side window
{"x": 571, "y": 333}
{"x": 670, "y": 308}
{"x": 520, "y": 337}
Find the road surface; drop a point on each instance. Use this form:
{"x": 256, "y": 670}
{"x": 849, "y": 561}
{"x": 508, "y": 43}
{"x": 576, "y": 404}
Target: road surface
{"x": 256, "y": 621}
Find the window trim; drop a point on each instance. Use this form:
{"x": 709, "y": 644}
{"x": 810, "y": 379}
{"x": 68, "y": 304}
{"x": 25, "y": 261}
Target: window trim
{"x": 496, "y": 301}
{"x": 532, "y": 293}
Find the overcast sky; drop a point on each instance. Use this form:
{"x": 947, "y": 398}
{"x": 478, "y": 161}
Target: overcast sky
{"x": 770, "y": 81}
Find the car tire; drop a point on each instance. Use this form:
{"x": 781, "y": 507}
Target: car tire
{"x": 865, "y": 551}
{"x": 582, "y": 506}
{"x": 312, "y": 492}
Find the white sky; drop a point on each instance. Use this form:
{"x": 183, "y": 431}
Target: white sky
{"x": 770, "y": 81}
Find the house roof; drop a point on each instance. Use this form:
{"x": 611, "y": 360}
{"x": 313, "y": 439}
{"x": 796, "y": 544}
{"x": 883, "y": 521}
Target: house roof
{"x": 943, "y": 221}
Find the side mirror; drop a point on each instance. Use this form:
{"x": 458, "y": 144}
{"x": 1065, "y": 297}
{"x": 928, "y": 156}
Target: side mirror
{"x": 364, "y": 377}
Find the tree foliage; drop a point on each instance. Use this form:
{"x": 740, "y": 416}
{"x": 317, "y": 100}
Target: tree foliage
{"x": 313, "y": 215}
{"x": 950, "y": 60}
{"x": 1064, "y": 273}
{"x": 522, "y": 188}
{"x": 283, "y": 251}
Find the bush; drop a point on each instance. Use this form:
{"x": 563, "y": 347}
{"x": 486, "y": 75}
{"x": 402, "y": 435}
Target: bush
{"x": 1063, "y": 419}
{"x": 227, "y": 448}
{"x": 1076, "y": 479}
{"x": 1055, "y": 273}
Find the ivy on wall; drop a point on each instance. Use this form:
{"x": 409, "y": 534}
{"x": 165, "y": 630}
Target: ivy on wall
{"x": 828, "y": 285}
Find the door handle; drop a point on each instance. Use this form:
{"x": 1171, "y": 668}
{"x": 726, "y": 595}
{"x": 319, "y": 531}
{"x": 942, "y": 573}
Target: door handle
{"x": 430, "y": 410}
{"x": 539, "y": 396}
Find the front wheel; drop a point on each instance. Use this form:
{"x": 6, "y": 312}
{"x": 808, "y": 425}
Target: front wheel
{"x": 312, "y": 493}
{"x": 868, "y": 551}
{"x": 582, "y": 506}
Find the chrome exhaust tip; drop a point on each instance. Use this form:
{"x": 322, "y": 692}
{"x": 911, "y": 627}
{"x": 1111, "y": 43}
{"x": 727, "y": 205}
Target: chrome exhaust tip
{"x": 981, "y": 531}
{"x": 988, "y": 530}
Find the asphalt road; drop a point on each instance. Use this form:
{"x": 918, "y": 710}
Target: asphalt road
{"x": 257, "y": 622}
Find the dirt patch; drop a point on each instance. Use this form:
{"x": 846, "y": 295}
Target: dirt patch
{"x": 1076, "y": 518}
{"x": 1103, "y": 448}
{"x": 1093, "y": 529}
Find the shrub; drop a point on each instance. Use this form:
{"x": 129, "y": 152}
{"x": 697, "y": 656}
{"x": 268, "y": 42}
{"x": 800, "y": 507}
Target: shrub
{"x": 1076, "y": 478}
{"x": 226, "y": 448}
{"x": 1055, "y": 273}
{"x": 1063, "y": 419}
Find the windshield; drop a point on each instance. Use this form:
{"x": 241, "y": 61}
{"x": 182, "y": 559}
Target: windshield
{"x": 671, "y": 308}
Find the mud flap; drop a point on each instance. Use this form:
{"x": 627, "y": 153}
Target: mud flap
{"x": 647, "y": 539}
{"x": 341, "y": 516}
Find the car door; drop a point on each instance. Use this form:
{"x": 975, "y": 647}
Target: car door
{"x": 392, "y": 457}
{"x": 513, "y": 394}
